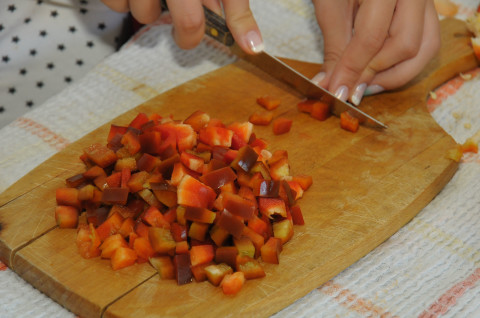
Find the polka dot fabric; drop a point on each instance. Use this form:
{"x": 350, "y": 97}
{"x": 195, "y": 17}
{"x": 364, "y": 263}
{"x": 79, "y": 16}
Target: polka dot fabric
{"x": 45, "y": 46}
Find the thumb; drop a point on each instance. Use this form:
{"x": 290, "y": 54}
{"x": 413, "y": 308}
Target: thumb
{"x": 243, "y": 26}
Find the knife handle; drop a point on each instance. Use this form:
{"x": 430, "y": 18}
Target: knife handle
{"x": 215, "y": 26}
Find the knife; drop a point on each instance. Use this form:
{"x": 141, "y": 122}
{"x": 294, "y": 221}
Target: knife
{"x": 216, "y": 27}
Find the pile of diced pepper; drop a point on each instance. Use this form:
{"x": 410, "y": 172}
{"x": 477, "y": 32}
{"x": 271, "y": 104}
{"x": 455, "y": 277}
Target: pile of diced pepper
{"x": 198, "y": 199}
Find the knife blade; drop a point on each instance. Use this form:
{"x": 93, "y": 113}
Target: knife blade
{"x": 216, "y": 27}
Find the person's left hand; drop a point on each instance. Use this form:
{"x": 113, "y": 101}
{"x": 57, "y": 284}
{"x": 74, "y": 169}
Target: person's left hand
{"x": 374, "y": 45}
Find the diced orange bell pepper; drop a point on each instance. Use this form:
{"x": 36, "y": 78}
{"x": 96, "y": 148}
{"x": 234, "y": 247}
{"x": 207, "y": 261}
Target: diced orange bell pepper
{"x": 271, "y": 250}
{"x": 110, "y": 226}
{"x": 268, "y": 102}
{"x": 87, "y": 241}
{"x": 143, "y": 248}
{"x": 282, "y": 125}
{"x": 201, "y": 254}
{"x": 123, "y": 257}
{"x": 154, "y": 217}
{"x": 164, "y": 266}
{"x": 66, "y": 216}
{"x": 100, "y": 155}
{"x": 68, "y": 196}
{"x": 348, "y": 122}
{"x": 110, "y": 244}
{"x": 261, "y": 118}
{"x": 232, "y": 283}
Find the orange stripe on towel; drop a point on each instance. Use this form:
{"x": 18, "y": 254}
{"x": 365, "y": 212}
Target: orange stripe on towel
{"x": 3, "y": 266}
{"x": 42, "y": 132}
{"x": 448, "y": 89}
{"x": 449, "y": 298}
{"x": 351, "y": 301}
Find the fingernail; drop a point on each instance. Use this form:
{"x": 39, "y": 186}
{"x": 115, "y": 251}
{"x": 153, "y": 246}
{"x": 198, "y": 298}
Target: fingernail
{"x": 342, "y": 93}
{"x": 373, "y": 89}
{"x": 319, "y": 77}
{"x": 254, "y": 41}
{"x": 358, "y": 93}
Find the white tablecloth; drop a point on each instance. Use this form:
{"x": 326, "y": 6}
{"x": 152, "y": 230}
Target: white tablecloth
{"x": 430, "y": 268}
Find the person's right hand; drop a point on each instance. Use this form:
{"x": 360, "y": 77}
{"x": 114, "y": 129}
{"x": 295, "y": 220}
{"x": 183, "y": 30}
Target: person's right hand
{"x": 189, "y": 20}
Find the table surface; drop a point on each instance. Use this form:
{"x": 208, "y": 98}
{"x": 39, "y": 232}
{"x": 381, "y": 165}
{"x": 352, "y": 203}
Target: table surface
{"x": 429, "y": 268}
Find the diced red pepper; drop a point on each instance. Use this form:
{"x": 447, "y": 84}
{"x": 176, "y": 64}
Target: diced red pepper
{"x": 66, "y": 216}
{"x": 261, "y": 118}
{"x": 216, "y": 136}
{"x": 179, "y": 232}
{"x": 227, "y": 255}
{"x": 268, "y": 102}
{"x": 164, "y": 266}
{"x": 272, "y": 206}
{"x": 110, "y": 245}
{"x": 250, "y": 267}
{"x": 161, "y": 240}
{"x": 239, "y": 206}
{"x": 110, "y": 226}
{"x": 245, "y": 159}
{"x": 283, "y": 230}
{"x": 183, "y": 272}
{"x": 114, "y": 180}
{"x": 304, "y": 181}
{"x": 271, "y": 250}
{"x": 88, "y": 241}
{"x": 201, "y": 254}
{"x": 123, "y": 257}
{"x": 231, "y": 224}
{"x": 143, "y": 248}
{"x": 76, "y": 180}
{"x": 282, "y": 125}
{"x": 116, "y": 130}
{"x": 192, "y": 161}
{"x": 320, "y": 111}
{"x": 139, "y": 120}
{"x": 68, "y": 196}
{"x": 348, "y": 122}
{"x": 297, "y": 216}
{"x": 232, "y": 283}
{"x": 197, "y": 214}
{"x": 198, "y": 231}
{"x": 197, "y": 120}
{"x": 100, "y": 155}
{"x": 216, "y": 272}
{"x": 94, "y": 172}
{"x": 191, "y": 192}
{"x": 154, "y": 217}
{"x": 115, "y": 196}
{"x": 469, "y": 146}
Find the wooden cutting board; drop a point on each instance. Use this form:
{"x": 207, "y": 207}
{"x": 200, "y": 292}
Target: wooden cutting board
{"x": 367, "y": 185}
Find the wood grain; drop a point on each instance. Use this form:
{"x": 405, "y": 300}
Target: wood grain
{"x": 366, "y": 186}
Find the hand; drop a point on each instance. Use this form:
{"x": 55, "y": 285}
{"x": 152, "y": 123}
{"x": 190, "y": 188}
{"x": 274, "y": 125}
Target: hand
{"x": 374, "y": 45}
{"x": 189, "y": 21}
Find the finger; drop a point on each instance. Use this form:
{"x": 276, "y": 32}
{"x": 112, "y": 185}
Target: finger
{"x": 405, "y": 38}
{"x": 371, "y": 26}
{"x": 145, "y": 11}
{"x": 117, "y": 5}
{"x": 243, "y": 26}
{"x": 403, "y": 43}
{"x": 214, "y": 5}
{"x": 403, "y": 72}
{"x": 188, "y": 22}
{"x": 335, "y": 20}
